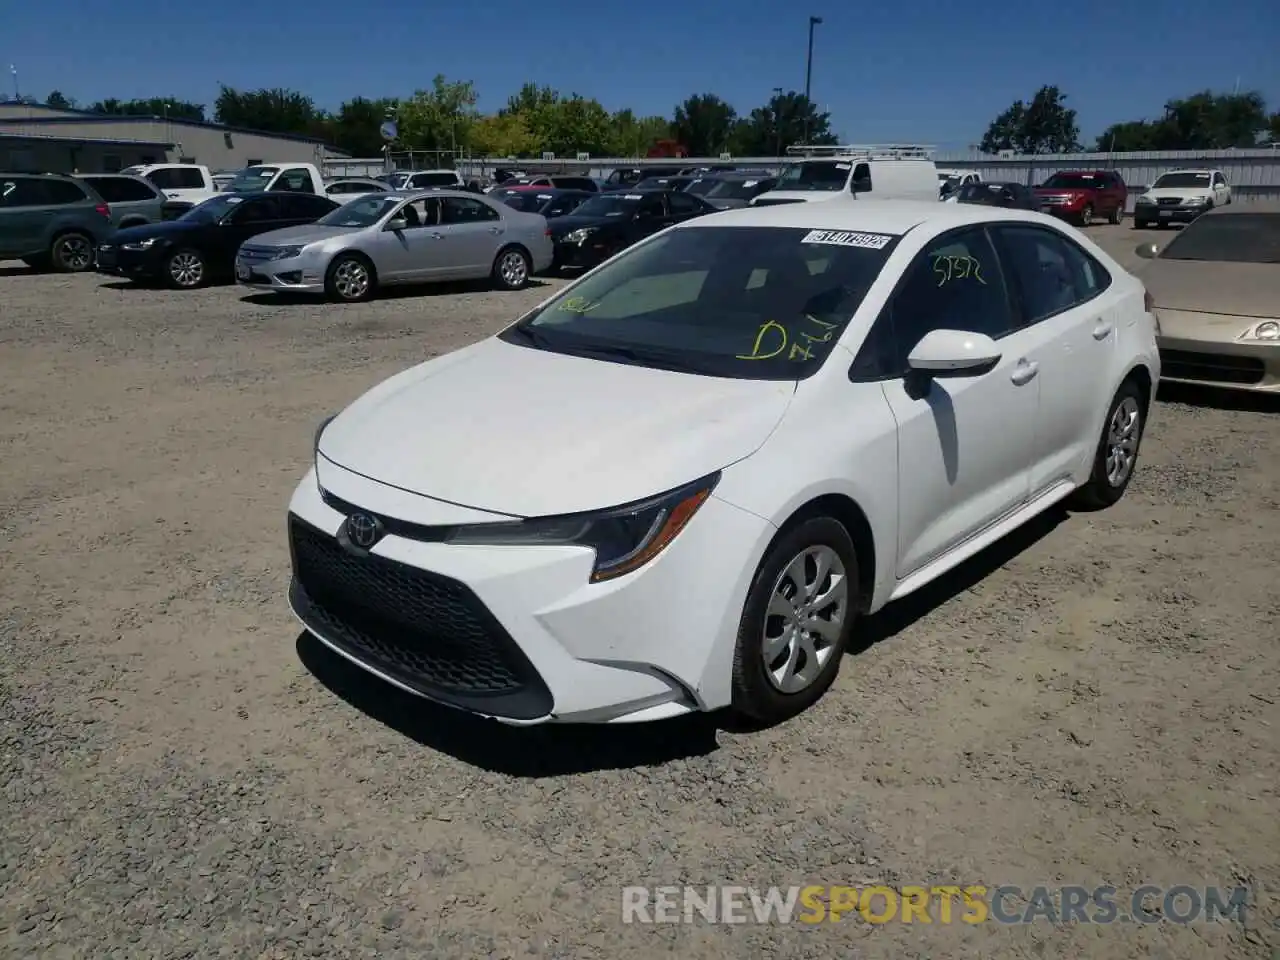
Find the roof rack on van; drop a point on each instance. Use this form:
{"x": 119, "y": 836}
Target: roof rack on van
{"x": 881, "y": 151}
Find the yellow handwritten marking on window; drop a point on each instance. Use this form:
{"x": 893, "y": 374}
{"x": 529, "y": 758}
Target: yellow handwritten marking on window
{"x": 772, "y": 334}
{"x": 579, "y": 305}
{"x": 947, "y": 269}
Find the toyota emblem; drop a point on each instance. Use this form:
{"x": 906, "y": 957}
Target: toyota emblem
{"x": 363, "y": 530}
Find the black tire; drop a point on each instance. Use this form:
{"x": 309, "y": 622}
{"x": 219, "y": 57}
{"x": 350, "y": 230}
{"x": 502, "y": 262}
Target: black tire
{"x": 71, "y": 252}
{"x": 1140, "y": 224}
{"x": 1105, "y": 487}
{"x": 1086, "y": 215}
{"x": 1116, "y": 215}
{"x": 512, "y": 268}
{"x": 350, "y": 279}
{"x": 185, "y": 269}
{"x": 757, "y": 696}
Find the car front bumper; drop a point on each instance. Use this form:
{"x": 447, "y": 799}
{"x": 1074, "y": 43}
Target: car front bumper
{"x": 1250, "y": 365}
{"x": 1153, "y": 213}
{"x": 294, "y": 275}
{"x": 587, "y": 254}
{"x": 136, "y": 264}
{"x": 516, "y": 633}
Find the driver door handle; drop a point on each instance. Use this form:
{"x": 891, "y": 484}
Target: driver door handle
{"x": 1102, "y": 330}
{"x": 436, "y": 235}
{"x": 1024, "y": 372}
{"x": 495, "y": 230}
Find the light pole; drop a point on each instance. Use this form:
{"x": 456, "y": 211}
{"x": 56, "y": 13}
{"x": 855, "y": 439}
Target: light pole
{"x": 808, "y": 78}
{"x": 777, "y": 125}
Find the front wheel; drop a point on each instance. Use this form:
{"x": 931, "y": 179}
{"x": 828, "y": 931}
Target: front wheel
{"x": 72, "y": 253}
{"x": 1117, "y": 452}
{"x": 511, "y": 269}
{"x": 185, "y": 269}
{"x": 796, "y": 622}
{"x": 1086, "y": 215}
{"x": 349, "y": 279}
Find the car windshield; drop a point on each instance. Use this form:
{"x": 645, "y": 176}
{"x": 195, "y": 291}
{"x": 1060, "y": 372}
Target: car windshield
{"x": 1228, "y": 238}
{"x": 733, "y": 190}
{"x": 398, "y": 180}
{"x": 1072, "y": 181}
{"x": 766, "y": 303}
{"x": 609, "y": 205}
{"x": 364, "y": 212}
{"x": 1182, "y": 180}
{"x": 212, "y": 210}
{"x": 252, "y": 179}
{"x": 435, "y": 180}
{"x": 830, "y": 175}
{"x": 527, "y": 202}
{"x": 987, "y": 193}
{"x": 702, "y": 186}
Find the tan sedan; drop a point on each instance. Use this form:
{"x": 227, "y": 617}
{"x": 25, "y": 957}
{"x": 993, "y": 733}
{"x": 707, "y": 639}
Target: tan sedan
{"x": 1216, "y": 289}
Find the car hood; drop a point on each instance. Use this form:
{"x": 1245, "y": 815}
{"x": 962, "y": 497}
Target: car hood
{"x": 796, "y": 196}
{"x": 1179, "y": 192}
{"x": 1204, "y": 286}
{"x": 298, "y": 236}
{"x": 148, "y": 231}
{"x": 1060, "y": 191}
{"x": 511, "y": 429}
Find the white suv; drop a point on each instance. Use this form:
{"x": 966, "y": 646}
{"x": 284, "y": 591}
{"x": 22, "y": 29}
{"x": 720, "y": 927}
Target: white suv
{"x": 1180, "y": 196}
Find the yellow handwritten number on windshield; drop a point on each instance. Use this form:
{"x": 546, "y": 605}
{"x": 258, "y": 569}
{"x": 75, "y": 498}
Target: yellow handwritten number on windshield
{"x": 769, "y": 333}
{"x": 579, "y": 305}
{"x": 947, "y": 269}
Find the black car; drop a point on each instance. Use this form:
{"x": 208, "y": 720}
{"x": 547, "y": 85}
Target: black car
{"x": 728, "y": 191}
{"x": 662, "y": 183}
{"x": 549, "y": 203}
{"x": 610, "y": 222}
{"x": 624, "y": 178}
{"x": 201, "y": 245}
{"x": 999, "y": 194}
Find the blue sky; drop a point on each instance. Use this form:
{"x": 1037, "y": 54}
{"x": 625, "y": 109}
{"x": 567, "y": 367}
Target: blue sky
{"x": 927, "y": 73}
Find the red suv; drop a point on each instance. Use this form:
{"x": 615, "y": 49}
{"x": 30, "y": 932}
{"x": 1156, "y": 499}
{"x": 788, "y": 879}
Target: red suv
{"x": 1084, "y": 195}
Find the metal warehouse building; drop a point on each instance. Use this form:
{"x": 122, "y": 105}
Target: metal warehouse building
{"x": 34, "y": 137}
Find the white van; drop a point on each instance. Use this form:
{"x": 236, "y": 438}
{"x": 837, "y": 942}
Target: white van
{"x": 888, "y": 172}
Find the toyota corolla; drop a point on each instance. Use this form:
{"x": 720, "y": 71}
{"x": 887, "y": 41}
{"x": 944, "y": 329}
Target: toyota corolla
{"x": 678, "y": 483}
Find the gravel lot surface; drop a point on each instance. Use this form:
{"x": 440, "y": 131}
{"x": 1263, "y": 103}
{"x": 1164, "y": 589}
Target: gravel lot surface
{"x": 1093, "y": 701}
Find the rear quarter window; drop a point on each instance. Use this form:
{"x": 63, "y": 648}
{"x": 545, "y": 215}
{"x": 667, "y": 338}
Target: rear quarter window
{"x": 62, "y": 192}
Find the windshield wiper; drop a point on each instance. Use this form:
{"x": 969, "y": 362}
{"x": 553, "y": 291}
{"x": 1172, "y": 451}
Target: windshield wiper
{"x": 639, "y": 357}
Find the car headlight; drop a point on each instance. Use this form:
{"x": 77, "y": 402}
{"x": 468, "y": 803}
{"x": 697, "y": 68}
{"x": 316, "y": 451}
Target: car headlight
{"x": 146, "y": 244}
{"x": 315, "y": 442}
{"x": 624, "y": 538}
{"x": 1196, "y": 201}
{"x": 1267, "y": 330}
{"x": 579, "y": 235}
{"x": 286, "y": 253}
{"x": 1145, "y": 201}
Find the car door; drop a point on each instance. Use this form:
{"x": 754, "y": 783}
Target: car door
{"x": 963, "y": 441}
{"x": 683, "y": 207}
{"x": 298, "y": 209}
{"x": 474, "y": 233}
{"x": 419, "y": 251}
{"x": 563, "y": 204}
{"x": 250, "y": 218}
{"x": 651, "y": 216}
{"x": 1069, "y": 327}
{"x": 23, "y": 213}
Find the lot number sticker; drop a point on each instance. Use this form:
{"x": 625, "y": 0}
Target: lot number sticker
{"x": 843, "y": 238}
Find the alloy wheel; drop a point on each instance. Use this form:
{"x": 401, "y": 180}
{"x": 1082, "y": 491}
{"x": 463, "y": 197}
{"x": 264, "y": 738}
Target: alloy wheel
{"x": 351, "y": 280}
{"x": 805, "y": 618}
{"x": 186, "y": 269}
{"x": 513, "y": 269}
{"x": 75, "y": 252}
{"x": 1122, "y": 441}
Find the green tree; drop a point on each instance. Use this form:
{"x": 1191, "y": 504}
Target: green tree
{"x": 1045, "y": 125}
{"x": 58, "y": 100}
{"x": 703, "y": 124}
{"x": 1273, "y": 128}
{"x": 151, "y": 107}
{"x": 356, "y": 127}
{"x": 502, "y": 135}
{"x": 439, "y": 118}
{"x": 632, "y": 136}
{"x": 1129, "y": 136}
{"x": 270, "y": 110}
{"x": 1209, "y": 121}
{"x": 769, "y": 130}
{"x": 575, "y": 124}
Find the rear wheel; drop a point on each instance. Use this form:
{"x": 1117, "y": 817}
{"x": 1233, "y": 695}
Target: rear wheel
{"x": 1116, "y": 215}
{"x": 185, "y": 269}
{"x": 1117, "y": 453}
{"x": 511, "y": 269}
{"x": 72, "y": 253}
{"x": 796, "y": 622}
{"x": 350, "y": 279}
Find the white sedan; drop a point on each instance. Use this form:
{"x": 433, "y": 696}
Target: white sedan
{"x": 353, "y": 188}
{"x": 678, "y": 483}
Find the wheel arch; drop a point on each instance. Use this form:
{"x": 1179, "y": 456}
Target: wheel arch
{"x": 846, "y": 511}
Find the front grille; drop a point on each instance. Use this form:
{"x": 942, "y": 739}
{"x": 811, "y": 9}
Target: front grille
{"x": 1211, "y": 367}
{"x": 427, "y": 631}
{"x": 1169, "y": 201}
{"x": 256, "y": 254}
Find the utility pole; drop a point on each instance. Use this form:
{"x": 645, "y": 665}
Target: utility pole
{"x": 808, "y": 78}
{"x": 13, "y": 69}
{"x": 777, "y": 126}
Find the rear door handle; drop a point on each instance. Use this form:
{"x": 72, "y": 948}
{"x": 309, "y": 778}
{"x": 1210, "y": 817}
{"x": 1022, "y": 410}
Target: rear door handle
{"x": 1024, "y": 372}
{"x": 1102, "y": 329}
{"x": 495, "y": 230}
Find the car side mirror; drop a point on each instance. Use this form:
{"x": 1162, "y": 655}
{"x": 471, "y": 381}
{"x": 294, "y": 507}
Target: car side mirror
{"x": 954, "y": 353}
{"x": 1147, "y": 251}
{"x": 396, "y": 224}
{"x": 862, "y": 185}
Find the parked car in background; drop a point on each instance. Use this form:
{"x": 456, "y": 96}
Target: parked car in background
{"x": 428, "y": 180}
{"x": 662, "y": 183}
{"x": 730, "y": 190}
{"x": 613, "y": 221}
{"x": 200, "y": 246}
{"x": 49, "y": 221}
{"x": 349, "y": 188}
{"x": 779, "y": 412}
{"x": 1180, "y": 196}
{"x": 1216, "y": 293}
{"x": 624, "y": 177}
{"x": 1013, "y": 196}
{"x": 222, "y": 179}
{"x": 889, "y": 175}
{"x": 549, "y": 203}
{"x": 133, "y": 200}
{"x": 188, "y": 183}
{"x": 1081, "y": 196}
{"x": 275, "y": 177}
{"x": 709, "y": 169}
{"x": 400, "y": 238}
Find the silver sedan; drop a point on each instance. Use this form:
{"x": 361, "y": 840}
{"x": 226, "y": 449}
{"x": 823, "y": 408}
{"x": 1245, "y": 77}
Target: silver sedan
{"x": 399, "y": 238}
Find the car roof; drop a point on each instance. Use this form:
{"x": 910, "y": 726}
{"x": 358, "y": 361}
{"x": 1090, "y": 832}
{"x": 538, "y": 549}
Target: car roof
{"x": 416, "y": 194}
{"x": 1256, "y": 206}
{"x": 872, "y": 216}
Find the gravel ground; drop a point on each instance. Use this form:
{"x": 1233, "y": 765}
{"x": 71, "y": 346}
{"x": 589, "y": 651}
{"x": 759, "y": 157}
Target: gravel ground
{"x": 1092, "y": 701}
